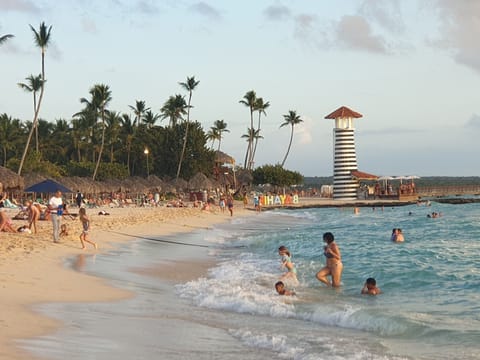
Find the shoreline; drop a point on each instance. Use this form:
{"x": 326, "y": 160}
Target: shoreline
{"x": 33, "y": 271}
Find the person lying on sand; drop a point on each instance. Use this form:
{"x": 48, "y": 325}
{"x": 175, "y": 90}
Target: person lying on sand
{"x": 6, "y": 224}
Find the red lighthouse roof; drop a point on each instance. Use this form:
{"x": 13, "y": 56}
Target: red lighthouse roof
{"x": 343, "y": 112}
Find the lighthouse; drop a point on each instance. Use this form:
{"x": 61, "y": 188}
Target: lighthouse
{"x": 345, "y": 186}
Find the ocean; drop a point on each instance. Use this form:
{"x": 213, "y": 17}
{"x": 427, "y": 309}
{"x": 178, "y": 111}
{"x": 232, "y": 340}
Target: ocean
{"x": 429, "y": 308}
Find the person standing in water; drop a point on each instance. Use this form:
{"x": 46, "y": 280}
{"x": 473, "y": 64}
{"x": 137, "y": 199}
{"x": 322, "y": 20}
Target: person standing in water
{"x": 334, "y": 266}
{"x": 85, "y": 228}
{"x": 287, "y": 264}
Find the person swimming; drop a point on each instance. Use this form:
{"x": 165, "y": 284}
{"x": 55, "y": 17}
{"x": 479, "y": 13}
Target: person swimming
{"x": 370, "y": 287}
{"x": 280, "y": 287}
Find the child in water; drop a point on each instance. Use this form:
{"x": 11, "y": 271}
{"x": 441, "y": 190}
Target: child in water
{"x": 280, "y": 287}
{"x": 288, "y": 264}
{"x": 370, "y": 287}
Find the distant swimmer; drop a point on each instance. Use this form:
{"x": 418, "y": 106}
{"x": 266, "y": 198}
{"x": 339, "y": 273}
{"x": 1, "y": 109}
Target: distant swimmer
{"x": 397, "y": 235}
{"x": 280, "y": 287}
{"x": 333, "y": 265}
{"x": 370, "y": 287}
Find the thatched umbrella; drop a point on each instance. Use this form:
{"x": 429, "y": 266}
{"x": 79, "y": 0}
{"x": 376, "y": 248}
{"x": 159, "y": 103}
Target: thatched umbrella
{"x": 200, "y": 182}
{"x": 244, "y": 177}
{"x": 179, "y": 184}
{"x": 154, "y": 183}
{"x": 222, "y": 158}
{"x": 9, "y": 180}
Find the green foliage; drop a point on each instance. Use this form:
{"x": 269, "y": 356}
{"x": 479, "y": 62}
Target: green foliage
{"x": 276, "y": 175}
{"x": 35, "y": 164}
{"x": 166, "y": 152}
{"x": 105, "y": 170}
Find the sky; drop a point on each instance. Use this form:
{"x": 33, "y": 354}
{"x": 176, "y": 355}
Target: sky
{"x": 410, "y": 67}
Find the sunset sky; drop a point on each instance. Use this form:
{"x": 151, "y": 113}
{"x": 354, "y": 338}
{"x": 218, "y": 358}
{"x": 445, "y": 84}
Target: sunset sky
{"x": 411, "y": 67}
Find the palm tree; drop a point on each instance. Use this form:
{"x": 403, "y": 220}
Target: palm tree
{"x": 219, "y": 128}
{"x": 128, "y": 130}
{"x": 174, "y": 109}
{"x": 251, "y": 135}
{"x": 249, "y": 100}
{"x": 291, "y": 119}
{"x": 139, "y": 110}
{"x": 149, "y": 118}
{"x": 4, "y": 38}
{"x": 189, "y": 85}
{"x": 113, "y": 131}
{"x": 213, "y": 135}
{"x": 42, "y": 40}
{"x": 101, "y": 95}
{"x": 10, "y": 131}
{"x": 259, "y": 106}
{"x": 34, "y": 83}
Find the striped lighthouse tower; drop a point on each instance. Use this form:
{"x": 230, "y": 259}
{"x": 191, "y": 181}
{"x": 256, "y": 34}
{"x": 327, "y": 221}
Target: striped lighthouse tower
{"x": 345, "y": 187}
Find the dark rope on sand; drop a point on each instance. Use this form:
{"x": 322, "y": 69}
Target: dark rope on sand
{"x": 175, "y": 242}
{"x": 160, "y": 240}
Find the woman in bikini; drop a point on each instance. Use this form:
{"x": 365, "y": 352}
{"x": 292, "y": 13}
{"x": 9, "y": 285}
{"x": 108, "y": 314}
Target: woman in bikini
{"x": 334, "y": 264}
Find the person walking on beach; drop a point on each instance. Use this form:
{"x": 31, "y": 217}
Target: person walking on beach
{"x": 230, "y": 204}
{"x": 334, "y": 266}
{"x": 55, "y": 206}
{"x": 79, "y": 198}
{"x": 85, "y": 228}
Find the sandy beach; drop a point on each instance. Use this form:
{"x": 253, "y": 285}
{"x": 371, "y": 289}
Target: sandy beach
{"x": 32, "y": 267}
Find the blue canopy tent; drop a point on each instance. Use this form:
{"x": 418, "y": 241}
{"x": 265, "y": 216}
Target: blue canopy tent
{"x": 47, "y": 186}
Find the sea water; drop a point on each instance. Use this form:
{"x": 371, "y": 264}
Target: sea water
{"x": 429, "y": 308}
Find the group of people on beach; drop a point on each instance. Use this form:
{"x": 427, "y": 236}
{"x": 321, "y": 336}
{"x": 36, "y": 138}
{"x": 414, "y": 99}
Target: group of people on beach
{"x": 56, "y": 209}
{"x": 330, "y": 274}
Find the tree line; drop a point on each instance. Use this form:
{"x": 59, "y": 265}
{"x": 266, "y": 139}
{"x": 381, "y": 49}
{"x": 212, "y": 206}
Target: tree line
{"x": 102, "y": 143}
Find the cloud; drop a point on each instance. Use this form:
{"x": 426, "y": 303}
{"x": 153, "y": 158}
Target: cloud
{"x": 146, "y": 7}
{"x": 354, "y": 32}
{"x": 459, "y": 30}
{"x": 19, "y": 5}
{"x": 385, "y": 13}
{"x": 303, "y": 131}
{"x": 277, "y": 12}
{"x": 473, "y": 122}
{"x": 206, "y": 10}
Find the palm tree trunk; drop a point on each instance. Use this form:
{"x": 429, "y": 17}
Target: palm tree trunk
{"x": 36, "y": 127}
{"x": 35, "y": 119}
{"x": 256, "y": 141}
{"x": 288, "y": 150}
{"x": 101, "y": 146}
{"x": 182, "y": 154}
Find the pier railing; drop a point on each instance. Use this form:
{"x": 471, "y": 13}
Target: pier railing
{"x": 448, "y": 190}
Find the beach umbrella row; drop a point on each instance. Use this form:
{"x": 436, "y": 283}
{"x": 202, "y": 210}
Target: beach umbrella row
{"x": 37, "y": 183}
